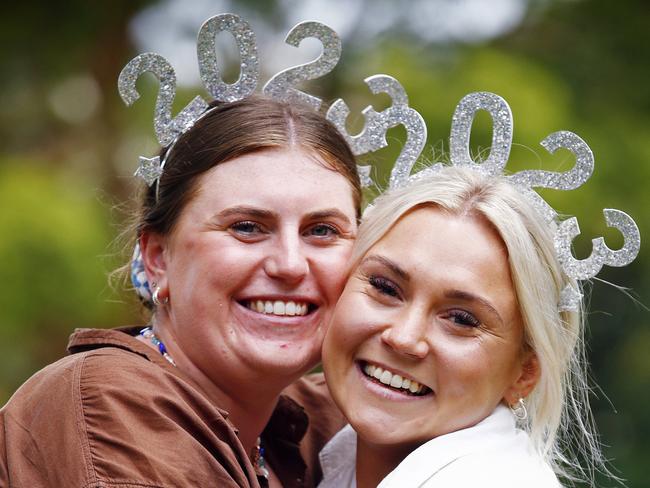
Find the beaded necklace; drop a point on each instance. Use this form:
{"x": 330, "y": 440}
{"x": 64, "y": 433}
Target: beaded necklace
{"x": 257, "y": 454}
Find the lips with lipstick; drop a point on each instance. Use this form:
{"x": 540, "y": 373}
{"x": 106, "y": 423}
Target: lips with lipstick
{"x": 394, "y": 381}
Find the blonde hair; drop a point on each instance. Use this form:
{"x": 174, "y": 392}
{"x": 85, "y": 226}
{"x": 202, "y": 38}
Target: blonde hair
{"x": 559, "y": 419}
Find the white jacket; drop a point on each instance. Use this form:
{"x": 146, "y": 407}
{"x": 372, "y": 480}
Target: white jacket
{"x": 492, "y": 454}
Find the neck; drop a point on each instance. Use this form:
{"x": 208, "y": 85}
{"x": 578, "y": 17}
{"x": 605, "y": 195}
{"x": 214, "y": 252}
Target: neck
{"x": 249, "y": 404}
{"x": 374, "y": 462}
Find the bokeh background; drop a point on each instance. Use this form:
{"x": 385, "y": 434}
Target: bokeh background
{"x": 69, "y": 146}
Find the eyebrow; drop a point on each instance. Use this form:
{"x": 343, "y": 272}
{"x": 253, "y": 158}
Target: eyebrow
{"x": 470, "y": 297}
{"x": 242, "y": 209}
{"x": 329, "y": 213}
{"x": 394, "y": 267}
{"x": 260, "y": 213}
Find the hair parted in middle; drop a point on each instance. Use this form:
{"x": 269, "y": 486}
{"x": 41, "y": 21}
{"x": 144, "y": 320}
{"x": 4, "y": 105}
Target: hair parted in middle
{"x": 233, "y": 129}
{"x": 558, "y": 406}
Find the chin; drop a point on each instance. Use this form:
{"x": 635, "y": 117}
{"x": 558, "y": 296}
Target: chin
{"x": 288, "y": 358}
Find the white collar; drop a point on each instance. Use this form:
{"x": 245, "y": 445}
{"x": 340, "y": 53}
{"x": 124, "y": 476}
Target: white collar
{"x": 338, "y": 457}
{"x": 436, "y": 454}
{"x": 338, "y": 460}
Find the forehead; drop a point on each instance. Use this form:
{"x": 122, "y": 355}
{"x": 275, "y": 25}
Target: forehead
{"x": 445, "y": 250}
{"x": 292, "y": 176}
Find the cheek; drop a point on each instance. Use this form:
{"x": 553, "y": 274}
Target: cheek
{"x": 331, "y": 267}
{"x": 463, "y": 365}
{"x": 228, "y": 261}
{"x": 474, "y": 370}
{"x": 351, "y": 326}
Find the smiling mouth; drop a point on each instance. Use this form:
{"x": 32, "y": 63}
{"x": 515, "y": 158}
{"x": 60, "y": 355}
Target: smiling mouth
{"x": 279, "y": 308}
{"x": 393, "y": 381}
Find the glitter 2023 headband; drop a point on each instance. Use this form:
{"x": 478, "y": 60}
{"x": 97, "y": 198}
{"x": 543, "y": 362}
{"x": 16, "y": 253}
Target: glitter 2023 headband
{"x": 280, "y": 87}
{"x": 373, "y": 136}
{"x": 524, "y": 181}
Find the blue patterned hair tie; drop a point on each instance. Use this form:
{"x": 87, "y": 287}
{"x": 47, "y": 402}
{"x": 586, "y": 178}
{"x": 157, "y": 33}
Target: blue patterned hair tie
{"x": 139, "y": 277}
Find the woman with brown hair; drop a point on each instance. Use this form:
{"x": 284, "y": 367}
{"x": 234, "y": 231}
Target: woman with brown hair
{"x": 244, "y": 241}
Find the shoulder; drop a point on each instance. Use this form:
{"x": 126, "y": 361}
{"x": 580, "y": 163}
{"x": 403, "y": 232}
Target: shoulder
{"x": 110, "y": 415}
{"x": 496, "y": 470}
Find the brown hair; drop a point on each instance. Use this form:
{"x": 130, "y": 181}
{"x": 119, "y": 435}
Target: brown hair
{"x": 230, "y": 130}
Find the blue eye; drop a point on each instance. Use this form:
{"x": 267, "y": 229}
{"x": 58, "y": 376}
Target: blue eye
{"x": 323, "y": 230}
{"x": 463, "y": 318}
{"x": 384, "y": 286}
{"x": 246, "y": 227}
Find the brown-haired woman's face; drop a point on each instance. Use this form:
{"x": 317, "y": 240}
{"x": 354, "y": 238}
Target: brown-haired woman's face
{"x": 426, "y": 338}
{"x": 256, "y": 263}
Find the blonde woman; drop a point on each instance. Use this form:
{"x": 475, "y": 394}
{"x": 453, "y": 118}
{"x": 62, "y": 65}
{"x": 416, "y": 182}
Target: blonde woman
{"x": 447, "y": 351}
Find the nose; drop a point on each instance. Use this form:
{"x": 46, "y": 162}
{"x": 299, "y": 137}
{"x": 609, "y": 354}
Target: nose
{"x": 287, "y": 261}
{"x": 408, "y": 335}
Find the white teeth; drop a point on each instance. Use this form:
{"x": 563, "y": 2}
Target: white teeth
{"x": 396, "y": 381}
{"x": 378, "y": 372}
{"x": 393, "y": 380}
{"x": 278, "y": 307}
{"x": 369, "y": 369}
{"x": 385, "y": 377}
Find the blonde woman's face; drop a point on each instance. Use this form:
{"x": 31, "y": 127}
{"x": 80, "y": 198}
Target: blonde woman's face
{"x": 426, "y": 338}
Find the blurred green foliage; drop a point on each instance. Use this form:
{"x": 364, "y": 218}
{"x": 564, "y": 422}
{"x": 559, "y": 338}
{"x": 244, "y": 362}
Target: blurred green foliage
{"x": 574, "y": 65}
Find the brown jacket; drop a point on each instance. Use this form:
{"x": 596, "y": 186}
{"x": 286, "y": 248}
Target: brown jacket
{"x": 115, "y": 414}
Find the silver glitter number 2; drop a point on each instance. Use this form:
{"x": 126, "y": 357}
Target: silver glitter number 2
{"x": 166, "y": 127}
{"x": 207, "y": 55}
{"x": 281, "y": 85}
{"x": 567, "y": 180}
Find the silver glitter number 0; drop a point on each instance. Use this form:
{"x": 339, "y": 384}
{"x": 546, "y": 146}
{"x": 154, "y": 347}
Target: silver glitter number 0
{"x": 166, "y": 127}
{"x": 207, "y": 55}
{"x": 461, "y": 128}
{"x": 281, "y": 86}
{"x": 373, "y": 135}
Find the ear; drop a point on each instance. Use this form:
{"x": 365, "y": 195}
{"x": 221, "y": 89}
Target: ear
{"x": 152, "y": 247}
{"x": 529, "y": 375}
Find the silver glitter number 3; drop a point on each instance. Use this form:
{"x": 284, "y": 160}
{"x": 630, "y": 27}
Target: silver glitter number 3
{"x": 207, "y": 55}
{"x": 281, "y": 86}
{"x": 583, "y": 269}
{"x": 373, "y": 135}
{"x": 166, "y": 127}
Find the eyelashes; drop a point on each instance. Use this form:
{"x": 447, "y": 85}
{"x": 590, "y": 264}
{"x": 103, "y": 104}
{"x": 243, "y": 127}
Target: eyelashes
{"x": 384, "y": 286}
{"x": 464, "y": 318}
{"x": 246, "y": 227}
